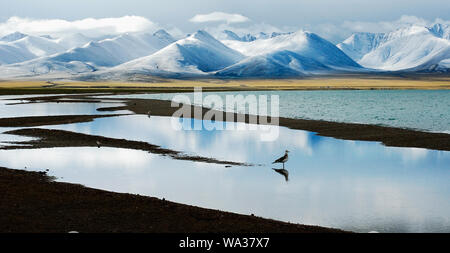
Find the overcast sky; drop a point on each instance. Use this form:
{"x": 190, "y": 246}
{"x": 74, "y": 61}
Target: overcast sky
{"x": 329, "y": 18}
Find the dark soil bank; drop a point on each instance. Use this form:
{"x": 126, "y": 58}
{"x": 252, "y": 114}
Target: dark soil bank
{"x": 31, "y": 202}
{"x": 33, "y": 121}
{"x": 48, "y": 138}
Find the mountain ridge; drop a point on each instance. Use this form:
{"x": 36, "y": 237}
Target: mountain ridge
{"x": 412, "y": 48}
{"x": 294, "y": 54}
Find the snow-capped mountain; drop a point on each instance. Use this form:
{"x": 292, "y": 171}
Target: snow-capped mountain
{"x": 73, "y": 40}
{"x": 289, "y": 54}
{"x": 18, "y": 47}
{"x": 263, "y": 35}
{"x": 129, "y": 55}
{"x": 115, "y": 51}
{"x": 282, "y": 63}
{"x": 199, "y": 53}
{"x": 229, "y": 35}
{"x": 22, "y": 47}
{"x": 360, "y": 44}
{"x": 441, "y": 31}
{"x": 93, "y": 55}
{"x": 410, "y": 48}
{"x": 13, "y": 37}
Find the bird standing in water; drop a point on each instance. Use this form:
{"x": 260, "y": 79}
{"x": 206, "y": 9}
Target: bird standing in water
{"x": 283, "y": 159}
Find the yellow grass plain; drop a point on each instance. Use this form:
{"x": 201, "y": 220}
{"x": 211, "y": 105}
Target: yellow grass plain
{"x": 246, "y": 84}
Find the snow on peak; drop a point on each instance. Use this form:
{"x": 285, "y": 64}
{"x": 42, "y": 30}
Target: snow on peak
{"x": 203, "y": 36}
{"x": 199, "y": 53}
{"x": 441, "y": 31}
{"x": 91, "y": 56}
{"x": 359, "y": 44}
{"x": 27, "y": 48}
{"x": 13, "y": 37}
{"x": 114, "y": 51}
{"x": 248, "y": 37}
{"x": 408, "y": 31}
{"x": 304, "y": 43}
{"x": 73, "y": 40}
{"x": 277, "y": 64}
{"x": 275, "y": 34}
{"x": 276, "y": 54}
{"x": 229, "y": 35}
{"x": 289, "y": 54}
{"x": 413, "y": 47}
{"x": 163, "y": 35}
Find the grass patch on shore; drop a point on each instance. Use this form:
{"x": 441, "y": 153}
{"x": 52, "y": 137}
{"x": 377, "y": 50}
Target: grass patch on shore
{"x": 172, "y": 85}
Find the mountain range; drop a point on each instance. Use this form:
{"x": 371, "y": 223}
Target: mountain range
{"x": 413, "y": 48}
{"x": 199, "y": 53}
{"x": 296, "y": 54}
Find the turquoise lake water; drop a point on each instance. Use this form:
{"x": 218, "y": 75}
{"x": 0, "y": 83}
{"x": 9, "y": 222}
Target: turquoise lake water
{"x": 427, "y": 110}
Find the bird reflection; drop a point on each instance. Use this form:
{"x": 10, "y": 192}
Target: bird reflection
{"x": 283, "y": 172}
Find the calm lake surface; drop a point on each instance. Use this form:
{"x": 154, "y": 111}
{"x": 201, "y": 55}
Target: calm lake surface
{"x": 427, "y": 110}
{"x": 353, "y": 185}
{"x": 360, "y": 186}
{"x": 10, "y": 108}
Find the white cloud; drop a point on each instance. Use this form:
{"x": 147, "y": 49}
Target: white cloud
{"x": 219, "y": 17}
{"x": 88, "y": 26}
{"x": 385, "y": 26}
